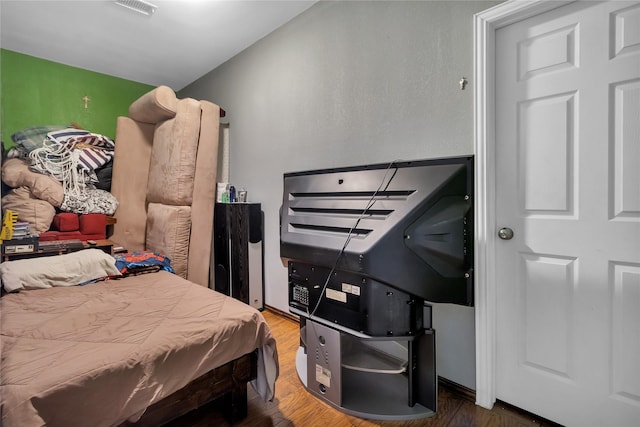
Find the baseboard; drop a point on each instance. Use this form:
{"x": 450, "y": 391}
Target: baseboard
{"x": 281, "y": 313}
{"x": 458, "y": 389}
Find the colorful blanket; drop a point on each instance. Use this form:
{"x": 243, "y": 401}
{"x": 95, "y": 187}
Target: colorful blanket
{"x": 134, "y": 263}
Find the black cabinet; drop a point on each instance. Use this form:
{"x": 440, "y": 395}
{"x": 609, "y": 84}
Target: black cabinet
{"x": 238, "y": 248}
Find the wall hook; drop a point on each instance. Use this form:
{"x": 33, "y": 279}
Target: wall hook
{"x": 86, "y": 100}
{"x": 463, "y": 83}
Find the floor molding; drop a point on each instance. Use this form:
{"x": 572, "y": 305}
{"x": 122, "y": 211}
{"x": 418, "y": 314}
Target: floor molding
{"x": 281, "y": 313}
{"x": 458, "y": 389}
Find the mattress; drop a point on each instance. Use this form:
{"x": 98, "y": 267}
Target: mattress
{"x": 100, "y": 354}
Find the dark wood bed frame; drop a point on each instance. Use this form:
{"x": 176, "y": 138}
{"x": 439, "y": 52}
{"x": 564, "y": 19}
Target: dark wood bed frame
{"x": 228, "y": 382}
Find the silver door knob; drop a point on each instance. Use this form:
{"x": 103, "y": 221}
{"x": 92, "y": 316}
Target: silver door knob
{"x": 505, "y": 233}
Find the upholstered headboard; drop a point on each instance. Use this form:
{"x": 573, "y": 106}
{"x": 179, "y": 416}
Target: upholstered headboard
{"x": 164, "y": 175}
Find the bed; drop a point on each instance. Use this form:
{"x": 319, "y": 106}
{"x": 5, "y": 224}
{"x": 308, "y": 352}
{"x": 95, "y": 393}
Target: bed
{"x": 119, "y": 351}
{"x": 140, "y": 349}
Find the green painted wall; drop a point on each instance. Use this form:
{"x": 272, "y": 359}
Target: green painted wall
{"x": 40, "y": 92}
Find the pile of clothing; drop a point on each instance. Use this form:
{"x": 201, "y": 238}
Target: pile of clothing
{"x": 142, "y": 262}
{"x": 56, "y": 168}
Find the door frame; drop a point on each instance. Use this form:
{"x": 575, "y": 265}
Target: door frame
{"x": 485, "y": 25}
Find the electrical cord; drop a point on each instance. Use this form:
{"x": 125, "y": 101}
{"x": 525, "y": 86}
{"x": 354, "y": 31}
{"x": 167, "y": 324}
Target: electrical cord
{"x": 369, "y": 205}
{"x": 305, "y": 330}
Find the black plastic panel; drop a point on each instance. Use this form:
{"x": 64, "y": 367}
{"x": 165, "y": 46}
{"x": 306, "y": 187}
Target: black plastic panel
{"x": 406, "y": 227}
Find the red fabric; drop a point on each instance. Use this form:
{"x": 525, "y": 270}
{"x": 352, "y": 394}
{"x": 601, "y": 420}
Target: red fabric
{"x": 66, "y": 221}
{"x": 62, "y": 235}
{"x": 92, "y": 236}
{"x": 68, "y": 226}
{"x": 48, "y": 236}
{"x": 94, "y": 224}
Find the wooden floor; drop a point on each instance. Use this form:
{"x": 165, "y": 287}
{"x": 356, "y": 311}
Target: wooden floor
{"x": 294, "y": 406}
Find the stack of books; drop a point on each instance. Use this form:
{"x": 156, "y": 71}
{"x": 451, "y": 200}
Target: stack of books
{"x": 22, "y": 241}
{"x": 21, "y": 229}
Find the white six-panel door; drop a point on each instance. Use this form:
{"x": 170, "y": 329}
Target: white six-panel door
{"x": 567, "y": 184}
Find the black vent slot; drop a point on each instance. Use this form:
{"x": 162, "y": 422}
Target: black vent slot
{"x": 343, "y": 211}
{"x": 348, "y": 194}
{"x": 345, "y": 230}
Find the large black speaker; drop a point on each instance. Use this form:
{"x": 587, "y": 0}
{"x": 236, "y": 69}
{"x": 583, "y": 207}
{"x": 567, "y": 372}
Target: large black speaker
{"x": 238, "y": 249}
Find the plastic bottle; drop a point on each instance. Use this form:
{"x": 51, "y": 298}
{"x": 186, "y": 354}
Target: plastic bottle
{"x": 242, "y": 195}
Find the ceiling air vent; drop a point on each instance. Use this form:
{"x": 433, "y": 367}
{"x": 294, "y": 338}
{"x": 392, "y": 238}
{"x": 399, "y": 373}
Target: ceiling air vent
{"x": 140, "y": 6}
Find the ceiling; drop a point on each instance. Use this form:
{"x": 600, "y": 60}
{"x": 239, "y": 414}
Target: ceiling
{"x": 180, "y": 42}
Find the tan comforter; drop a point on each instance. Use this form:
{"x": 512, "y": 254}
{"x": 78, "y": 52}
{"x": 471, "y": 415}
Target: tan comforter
{"x": 98, "y": 355}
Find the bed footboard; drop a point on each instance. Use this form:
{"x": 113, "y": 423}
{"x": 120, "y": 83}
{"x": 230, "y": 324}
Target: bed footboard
{"x": 228, "y": 382}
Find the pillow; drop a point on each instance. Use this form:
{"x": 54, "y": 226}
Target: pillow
{"x": 155, "y": 106}
{"x": 16, "y": 173}
{"x": 173, "y": 156}
{"x": 168, "y": 230}
{"x": 60, "y": 270}
{"x": 38, "y": 213}
{"x": 94, "y": 224}
{"x": 66, "y": 221}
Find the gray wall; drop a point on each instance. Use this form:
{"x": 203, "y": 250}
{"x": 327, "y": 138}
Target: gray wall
{"x": 346, "y": 84}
